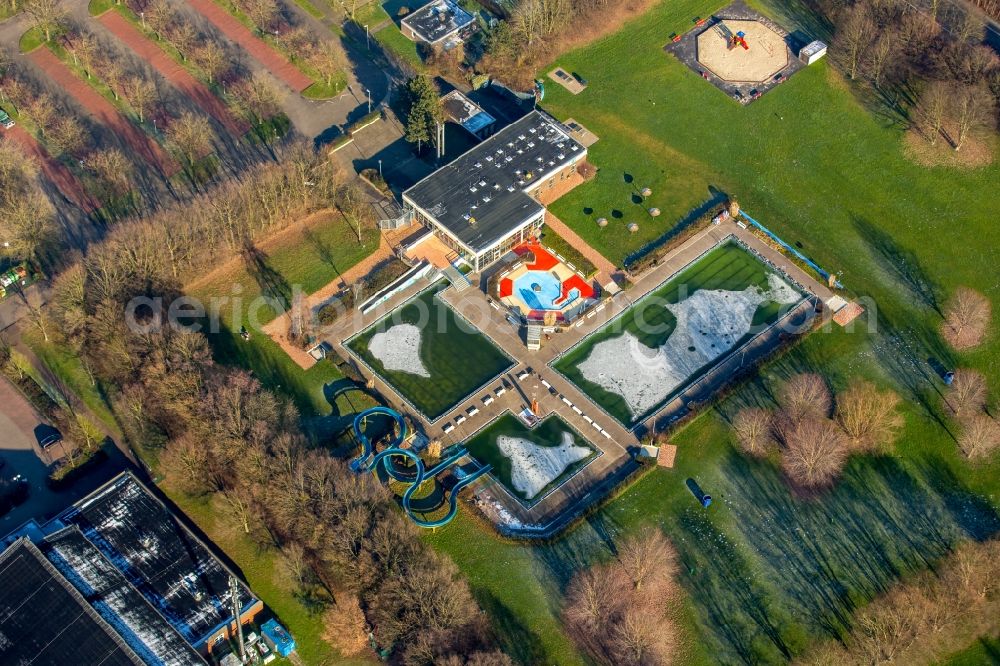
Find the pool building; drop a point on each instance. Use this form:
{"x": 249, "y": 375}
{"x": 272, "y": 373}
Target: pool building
{"x": 488, "y": 200}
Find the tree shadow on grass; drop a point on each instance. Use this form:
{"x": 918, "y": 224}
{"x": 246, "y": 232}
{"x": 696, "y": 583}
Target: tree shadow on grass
{"x": 272, "y": 284}
{"x": 899, "y": 263}
{"x": 835, "y": 552}
{"x": 515, "y": 638}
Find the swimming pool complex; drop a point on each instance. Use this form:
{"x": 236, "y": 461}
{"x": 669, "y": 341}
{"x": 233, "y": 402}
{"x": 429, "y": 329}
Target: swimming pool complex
{"x": 545, "y": 284}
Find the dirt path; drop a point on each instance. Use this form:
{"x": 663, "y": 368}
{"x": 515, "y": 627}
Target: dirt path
{"x": 179, "y": 77}
{"x": 56, "y": 172}
{"x": 103, "y": 111}
{"x": 276, "y": 63}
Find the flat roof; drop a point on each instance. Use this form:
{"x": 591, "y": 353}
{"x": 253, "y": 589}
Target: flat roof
{"x": 480, "y": 197}
{"x": 437, "y": 20}
{"x": 44, "y": 621}
{"x": 167, "y": 564}
{"x": 118, "y": 601}
{"x": 461, "y": 110}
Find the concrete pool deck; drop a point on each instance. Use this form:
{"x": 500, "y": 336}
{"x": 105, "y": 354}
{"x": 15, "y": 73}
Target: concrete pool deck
{"x": 556, "y": 394}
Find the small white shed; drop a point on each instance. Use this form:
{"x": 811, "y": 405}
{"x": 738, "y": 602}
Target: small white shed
{"x": 812, "y": 52}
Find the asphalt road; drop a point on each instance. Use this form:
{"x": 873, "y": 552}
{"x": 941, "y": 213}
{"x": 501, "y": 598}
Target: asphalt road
{"x": 20, "y": 453}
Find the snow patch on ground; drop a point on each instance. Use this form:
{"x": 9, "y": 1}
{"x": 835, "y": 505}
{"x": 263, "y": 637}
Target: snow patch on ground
{"x": 533, "y": 467}
{"x": 709, "y": 324}
{"x": 398, "y": 349}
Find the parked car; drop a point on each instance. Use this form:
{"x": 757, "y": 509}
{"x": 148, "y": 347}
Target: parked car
{"x": 13, "y": 493}
{"x": 6, "y": 120}
{"x": 47, "y": 436}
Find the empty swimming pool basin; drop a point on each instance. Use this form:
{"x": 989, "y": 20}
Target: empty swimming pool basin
{"x": 541, "y": 290}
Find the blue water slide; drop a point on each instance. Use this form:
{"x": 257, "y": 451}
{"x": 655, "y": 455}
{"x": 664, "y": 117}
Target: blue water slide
{"x": 414, "y": 474}
{"x": 361, "y": 462}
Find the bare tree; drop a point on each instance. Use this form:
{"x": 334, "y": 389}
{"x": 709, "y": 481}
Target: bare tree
{"x": 646, "y": 555}
{"x": 972, "y": 107}
{"x": 140, "y": 93}
{"x": 752, "y": 427}
{"x": 328, "y": 58}
{"x": 814, "y": 453}
{"x": 263, "y": 13}
{"x": 869, "y": 417}
{"x": 966, "y": 319}
{"x": 805, "y": 395}
{"x": 933, "y": 109}
{"x": 254, "y": 98}
{"x": 980, "y": 436}
{"x": 882, "y": 54}
{"x": 190, "y": 136}
{"x": 967, "y": 393}
{"x": 183, "y": 37}
{"x": 854, "y": 37}
{"x": 47, "y": 15}
{"x": 84, "y": 48}
{"x": 345, "y": 627}
{"x": 112, "y": 169}
{"x": 212, "y": 59}
{"x": 66, "y": 135}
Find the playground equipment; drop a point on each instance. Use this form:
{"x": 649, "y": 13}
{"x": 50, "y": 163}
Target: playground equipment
{"x": 732, "y": 41}
{"x": 417, "y": 472}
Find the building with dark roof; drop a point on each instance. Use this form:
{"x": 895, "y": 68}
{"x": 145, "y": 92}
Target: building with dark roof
{"x": 487, "y": 200}
{"x": 162, "y": 559}
{"x": 117, "y": 601}
{"x": 148, "y": 582}
{"x": 45, "y": 621}
{"x": 462, "y": 111}
{"x": 439, "y": 23}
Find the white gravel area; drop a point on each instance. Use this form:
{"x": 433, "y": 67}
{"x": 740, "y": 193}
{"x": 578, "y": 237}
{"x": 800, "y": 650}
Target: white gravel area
{"x": 709, "y": 324}
{"x": 398, "y": 349}
{"x": 533, "y": 467}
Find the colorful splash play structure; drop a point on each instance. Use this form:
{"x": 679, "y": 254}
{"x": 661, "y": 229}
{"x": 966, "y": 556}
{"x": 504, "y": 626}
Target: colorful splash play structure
{"x": 413, "y": 472}
{"x": 541, "y": 284}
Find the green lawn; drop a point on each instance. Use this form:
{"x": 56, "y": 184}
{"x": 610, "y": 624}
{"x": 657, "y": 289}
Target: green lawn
{"x": 66, "y": 366}
{"x": 398, "y": 44}
{"x": 309, "y": 259}
{"x": 768, "y": 573}
{"x": 727, "y": 267}
{"x": 456, "y": 358}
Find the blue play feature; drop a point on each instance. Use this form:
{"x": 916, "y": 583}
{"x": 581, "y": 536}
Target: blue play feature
{"x": 414, "y": 474}
{"x": 540, "y": 290}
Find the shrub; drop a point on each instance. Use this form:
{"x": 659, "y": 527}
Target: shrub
{"x": 967, "y": 319}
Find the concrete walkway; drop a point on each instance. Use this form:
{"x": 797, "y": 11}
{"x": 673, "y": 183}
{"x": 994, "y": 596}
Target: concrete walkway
{"x": 564, "y": 398}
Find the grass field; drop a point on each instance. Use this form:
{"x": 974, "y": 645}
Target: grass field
{"x": 727, "y": 267}
{"x": 766, "y": 572}
{"x": 458, "y": 358}
{"x": 309, "y": 258}
{"x": 549, "y": 433}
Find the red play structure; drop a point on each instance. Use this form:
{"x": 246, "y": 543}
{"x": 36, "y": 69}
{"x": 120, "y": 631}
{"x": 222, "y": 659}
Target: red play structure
{"x": 741, "y": 39}
{"x": 544, "y": 261}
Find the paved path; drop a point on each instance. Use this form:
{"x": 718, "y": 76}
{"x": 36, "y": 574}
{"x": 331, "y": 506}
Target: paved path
{"x": 104, "y": 111}
{"x": 179, "y": 77}
{"x": 56, "y": 172}
{"x": 616, "y": 460}
{"x": 276, "y": 63}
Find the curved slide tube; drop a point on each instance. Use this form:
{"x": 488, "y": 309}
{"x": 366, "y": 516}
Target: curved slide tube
{"x": 414, "y": 475}
{"x": 361, "y": 462}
